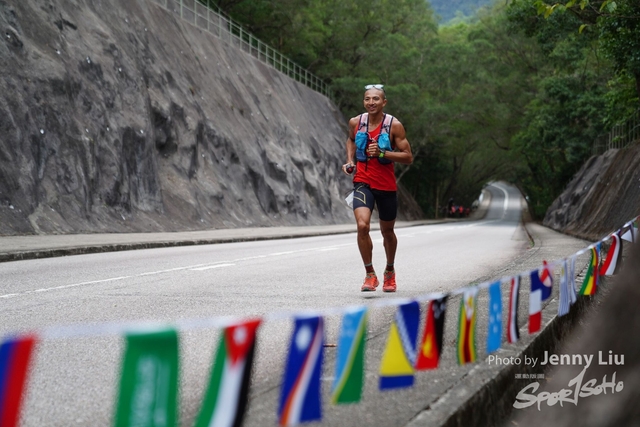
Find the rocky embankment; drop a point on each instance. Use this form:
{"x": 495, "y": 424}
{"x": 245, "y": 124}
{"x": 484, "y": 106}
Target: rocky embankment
{"x": 118, "y": 116}
{"x": 602, "y": 196}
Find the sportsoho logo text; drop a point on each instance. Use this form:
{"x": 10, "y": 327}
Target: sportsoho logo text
{"x": 576, "y": 388}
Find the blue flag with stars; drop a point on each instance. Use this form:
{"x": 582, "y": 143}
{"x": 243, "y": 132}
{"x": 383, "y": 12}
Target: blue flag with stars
{"x": 494, "y": 336}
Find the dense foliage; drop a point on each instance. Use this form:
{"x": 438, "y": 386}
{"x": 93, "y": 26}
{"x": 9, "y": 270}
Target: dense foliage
{"x": 519, "y": 93}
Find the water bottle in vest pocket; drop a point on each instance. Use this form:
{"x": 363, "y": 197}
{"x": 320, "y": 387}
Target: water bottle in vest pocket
{"x": 384, "y": 142}
{"x": 361, "y": 146}
{"x": 362, "y": 138}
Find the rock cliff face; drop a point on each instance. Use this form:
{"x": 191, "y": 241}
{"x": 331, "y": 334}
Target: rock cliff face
{"x": 602, "y": 196}
{"x": 118, "y": 116}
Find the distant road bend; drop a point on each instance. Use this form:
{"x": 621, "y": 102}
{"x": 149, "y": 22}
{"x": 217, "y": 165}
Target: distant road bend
{"x": 74, "y": 380}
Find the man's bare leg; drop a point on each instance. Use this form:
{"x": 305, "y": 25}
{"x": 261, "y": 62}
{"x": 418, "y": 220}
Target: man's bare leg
{"x": 390, "y": 246}
{"x": 389, "y": 239}
{"x": 365, "y": 245}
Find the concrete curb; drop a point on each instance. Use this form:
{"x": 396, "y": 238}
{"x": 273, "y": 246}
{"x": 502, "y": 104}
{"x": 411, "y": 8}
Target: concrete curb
{"x": 80, "y": 250}
{"x": 247, "y": 236}
{"x": 494, "y": 387}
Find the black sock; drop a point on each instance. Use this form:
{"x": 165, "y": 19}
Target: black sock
{"x": 389, "y": 267}
{"x": 369, "y": 268}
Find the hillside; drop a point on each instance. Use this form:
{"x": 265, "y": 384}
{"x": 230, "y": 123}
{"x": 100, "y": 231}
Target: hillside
{"x": 447, "y": 9}
{"x": 119, "y": 116}
{"x": 601, "y": 197}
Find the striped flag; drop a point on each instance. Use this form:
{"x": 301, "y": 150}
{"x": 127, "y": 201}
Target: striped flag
{"x": 300, "y": 398}
{"x": 513, "y": 331}
{"x": 349, "y": 380}
{"x": 494, "y": 331}
{"x": 535, "y": 304}
{"x": 396, "y": 369}
{"x": 15, "y": 354}
{"x": 431, "y": 348}
{"x": 565, "y": 292}
{"x": 226, "y": 398}
{"x": 467, "y": 327}
{"x": 148, "y": 394}
{"x": 590, "y": 282}
{"x": 614, "y": 257}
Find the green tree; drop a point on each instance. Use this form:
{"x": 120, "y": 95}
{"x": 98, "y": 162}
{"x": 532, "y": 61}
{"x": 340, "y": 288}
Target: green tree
{"x": 617, "y": 24}
{"x": 519, "y": 92}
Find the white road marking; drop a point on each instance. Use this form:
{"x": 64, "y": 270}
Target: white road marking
{"x": 169, "y": 270}
{"x": 228, "y": 263}
{"x": 112, "y": 279}
{"x": 209, "y": 267}
{"x": 250, "y": 258}
{"x": 283, "y": 253}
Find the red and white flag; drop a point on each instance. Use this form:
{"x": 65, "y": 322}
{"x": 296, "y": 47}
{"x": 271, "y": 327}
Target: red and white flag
{"x": 535, "y": 303}
{"x": 614, "y": 255}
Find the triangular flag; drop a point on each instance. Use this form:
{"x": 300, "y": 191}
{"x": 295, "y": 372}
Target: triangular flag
{"x": 15, "y": 354}
{"x": 396, "y": 369}
{"x": 467, "y": 327}
{"x": 494, "y": 334}
{"x": 545, "y": 286}
{"x": 535, "y": 303}
{"x": 300, "y": 398}
{"x": 349, "y": 380}
{"x": 590, "y": 282}
{"x": 149, "y": 382}
{"x": 226, "y": 398}
{"x": 431, "y": 347}
{"x": 614, "y": 256}
{"x": 513, "y": 331}
{"x": 546, "y": 276}
{"x": 565, "y": 292}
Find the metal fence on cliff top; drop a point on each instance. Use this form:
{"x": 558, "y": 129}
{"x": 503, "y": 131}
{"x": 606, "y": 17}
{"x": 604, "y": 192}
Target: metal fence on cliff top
{"x": 620, "y": 136}
{"x": 201, "y": 16}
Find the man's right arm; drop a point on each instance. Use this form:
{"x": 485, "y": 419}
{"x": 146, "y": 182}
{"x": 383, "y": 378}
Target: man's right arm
{"x": 350, "y": 144}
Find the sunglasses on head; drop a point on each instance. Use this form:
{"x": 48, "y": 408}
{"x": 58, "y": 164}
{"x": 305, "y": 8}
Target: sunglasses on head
{"x": 381, "y": 87}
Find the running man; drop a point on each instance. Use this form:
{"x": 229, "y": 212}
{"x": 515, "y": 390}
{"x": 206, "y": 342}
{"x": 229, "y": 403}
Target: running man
{"x": 376, "y": 140}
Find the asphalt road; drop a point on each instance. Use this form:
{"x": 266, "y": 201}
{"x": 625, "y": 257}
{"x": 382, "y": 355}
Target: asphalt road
{"x": 74, "y": 380}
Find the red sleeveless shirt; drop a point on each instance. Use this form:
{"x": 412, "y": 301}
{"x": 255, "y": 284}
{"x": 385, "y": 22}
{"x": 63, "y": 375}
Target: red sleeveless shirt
{"x": 374, "y": 173}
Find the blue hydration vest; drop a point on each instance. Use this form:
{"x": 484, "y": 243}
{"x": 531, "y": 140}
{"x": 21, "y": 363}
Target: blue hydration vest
{"x": 362, "y": 137}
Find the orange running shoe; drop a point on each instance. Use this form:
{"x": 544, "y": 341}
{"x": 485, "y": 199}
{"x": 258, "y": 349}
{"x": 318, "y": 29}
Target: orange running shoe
{"x": 370, "y": 283}
{"x": 389, "y": 284}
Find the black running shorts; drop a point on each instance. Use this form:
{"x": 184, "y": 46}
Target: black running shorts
{"x": 385, "y": 201}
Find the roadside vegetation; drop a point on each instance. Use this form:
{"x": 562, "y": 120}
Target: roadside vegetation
{"x": 520, "y": 92}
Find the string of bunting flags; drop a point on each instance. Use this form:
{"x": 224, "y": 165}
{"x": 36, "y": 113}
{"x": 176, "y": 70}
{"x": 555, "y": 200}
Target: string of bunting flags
{"x": 148, "y": 388}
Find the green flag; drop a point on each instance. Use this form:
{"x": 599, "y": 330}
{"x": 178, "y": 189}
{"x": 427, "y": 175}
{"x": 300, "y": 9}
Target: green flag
{"x": 149, "y": 383}
{"x": 349, "y": 379}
